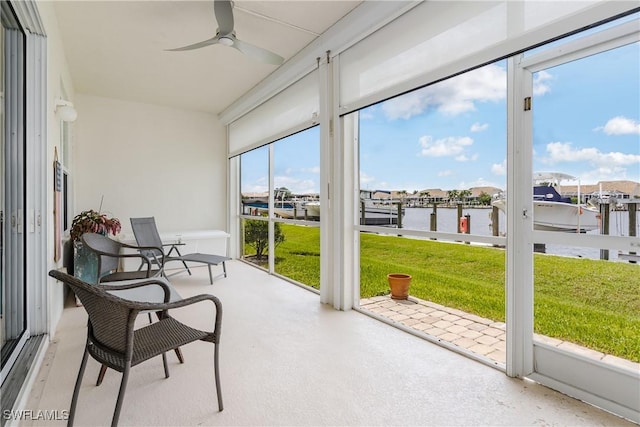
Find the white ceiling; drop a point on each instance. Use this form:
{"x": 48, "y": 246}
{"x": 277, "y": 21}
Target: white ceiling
{"x": 116, "y": 49}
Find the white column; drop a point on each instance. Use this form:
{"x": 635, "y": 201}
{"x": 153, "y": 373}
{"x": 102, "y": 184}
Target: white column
{"x": 338, "y": 195}
{"x": 327, "y": 206}
{"x": 233, "y": 191}
{"x": 519, "y": 292}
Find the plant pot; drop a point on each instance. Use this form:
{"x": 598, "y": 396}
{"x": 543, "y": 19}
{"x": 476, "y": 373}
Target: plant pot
{"x": 399, "y": 284}
{"x": 67, "y": 256}
{"x": 85, "y": 263}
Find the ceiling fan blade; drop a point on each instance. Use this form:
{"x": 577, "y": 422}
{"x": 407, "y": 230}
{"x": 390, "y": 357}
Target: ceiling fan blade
{"x": 224, "y": 16}
{"x": 213, "y": 40}
{"x": 258, "y": 53}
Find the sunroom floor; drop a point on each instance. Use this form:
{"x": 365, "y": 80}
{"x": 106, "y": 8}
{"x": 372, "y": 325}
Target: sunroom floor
{"x": 288, "y": 360}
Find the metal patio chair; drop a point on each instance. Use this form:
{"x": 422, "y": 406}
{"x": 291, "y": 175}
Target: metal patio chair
{"x": 146, "y": 234}
{"x": 113, "y": 341}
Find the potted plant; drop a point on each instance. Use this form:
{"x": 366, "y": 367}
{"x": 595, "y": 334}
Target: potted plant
{"x": 399, "y": 284}
{"x": 93, "y": 222}
{"x": 85, "y": 264}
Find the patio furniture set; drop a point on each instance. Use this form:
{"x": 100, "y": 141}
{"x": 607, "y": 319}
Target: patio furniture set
{"x": 115, "y": 299}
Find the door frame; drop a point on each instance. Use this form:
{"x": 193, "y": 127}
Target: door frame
{"x": 610, "y": 387}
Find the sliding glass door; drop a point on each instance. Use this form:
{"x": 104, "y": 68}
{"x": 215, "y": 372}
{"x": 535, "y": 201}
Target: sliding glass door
{"x": 13, "y": 315}
{"x": 581, "y": 115}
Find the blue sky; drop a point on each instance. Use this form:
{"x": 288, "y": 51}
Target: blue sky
{"x": 452, "y": 135}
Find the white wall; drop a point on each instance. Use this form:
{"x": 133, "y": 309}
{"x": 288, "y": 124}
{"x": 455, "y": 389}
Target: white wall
{"x": 149, "y": 160}
{"x": 58, "y": 75}
{"x": 146, "y": 160}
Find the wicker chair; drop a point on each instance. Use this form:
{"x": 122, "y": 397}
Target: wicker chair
{"x": 112, "y": 340}
{"x": 110, "y": 252}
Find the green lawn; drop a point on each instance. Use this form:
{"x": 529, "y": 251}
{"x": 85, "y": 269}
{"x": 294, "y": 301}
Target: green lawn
{"x": 589, "y": 302}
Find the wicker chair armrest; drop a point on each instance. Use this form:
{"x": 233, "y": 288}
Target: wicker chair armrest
{"x": 145, "y": 260}
{"x": 127, "y": 255}
{"x": 164, "y": 307}
{"x": 214, "y": 336}
{"x": 192, "y": 300}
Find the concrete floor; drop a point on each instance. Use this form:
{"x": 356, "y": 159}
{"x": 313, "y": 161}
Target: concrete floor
{"x": 288, "y": 360}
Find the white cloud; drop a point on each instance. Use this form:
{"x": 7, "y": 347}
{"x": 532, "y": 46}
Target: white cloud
{"x": 366, "y": 179}
{"x": 605, "y": 163}
{"x": 479, "y": 127}
{"x": 314, "y": 169}
{"x": 445, "y": 147}
{"x": 620, "y": 126}
{"x": 465, "y": 158}
{"x": 606, "y": 174}
{"x": 540, "y": 86}
{"x": 453, "y": 96}
{"x": 295, "y": 185}
{"x": 366, "y": 115}
{"x": 445, "y": 173}
{"x": 260, "y": 185}
{"x": 499, "y": 168}
{"x": 480, "y": 182}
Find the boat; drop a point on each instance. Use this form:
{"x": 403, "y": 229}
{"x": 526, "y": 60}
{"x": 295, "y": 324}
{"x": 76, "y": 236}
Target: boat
{"x": 553, "y": 211}
{"x": 378, "y": 211}
{"x": 313, "y": 209}
{"x": 283, "y": 207}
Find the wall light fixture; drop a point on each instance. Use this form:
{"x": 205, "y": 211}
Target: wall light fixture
{"x": 65, "y": 111}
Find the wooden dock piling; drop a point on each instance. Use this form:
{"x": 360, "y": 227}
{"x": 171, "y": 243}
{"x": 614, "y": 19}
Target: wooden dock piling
{"x": 633, "y": 208}
{"x": 604, "y": 227}
{"x": 495, "y": 221}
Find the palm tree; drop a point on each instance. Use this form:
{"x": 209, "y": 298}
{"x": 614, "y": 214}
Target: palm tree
{"x": 453, "y": 195}
{"x": 484, "y": 199}
{"x": 463, "y": 194}
{"x": 424, "y": 195}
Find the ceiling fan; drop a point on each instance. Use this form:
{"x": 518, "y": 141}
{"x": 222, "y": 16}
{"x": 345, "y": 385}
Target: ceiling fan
{"x": 226, "y": 36}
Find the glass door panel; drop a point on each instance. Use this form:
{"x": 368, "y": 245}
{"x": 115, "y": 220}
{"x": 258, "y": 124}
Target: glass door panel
{"x": 12, "y": 274}
{"x": 583, "y": 124}
{"x": 296, "y": 178}
{"x": 254, "y": 191}
{"x": 432, "y": 169}
{"x": 586, "y": 163}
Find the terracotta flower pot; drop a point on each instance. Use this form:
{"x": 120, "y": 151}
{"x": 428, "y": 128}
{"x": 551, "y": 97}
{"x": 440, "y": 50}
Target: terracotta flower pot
{"x": 399, "y": 284}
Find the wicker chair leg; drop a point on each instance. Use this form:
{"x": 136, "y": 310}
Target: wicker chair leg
{"x": 217, "y": 375}
{"x": 76, "y": 389}
{"x": 166, "y": 366}
{"x": 224, "y": 269}
{"x": 103, "y": 370}
{"x": 123, "y": 387}
{"x": 210, "y": 275}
